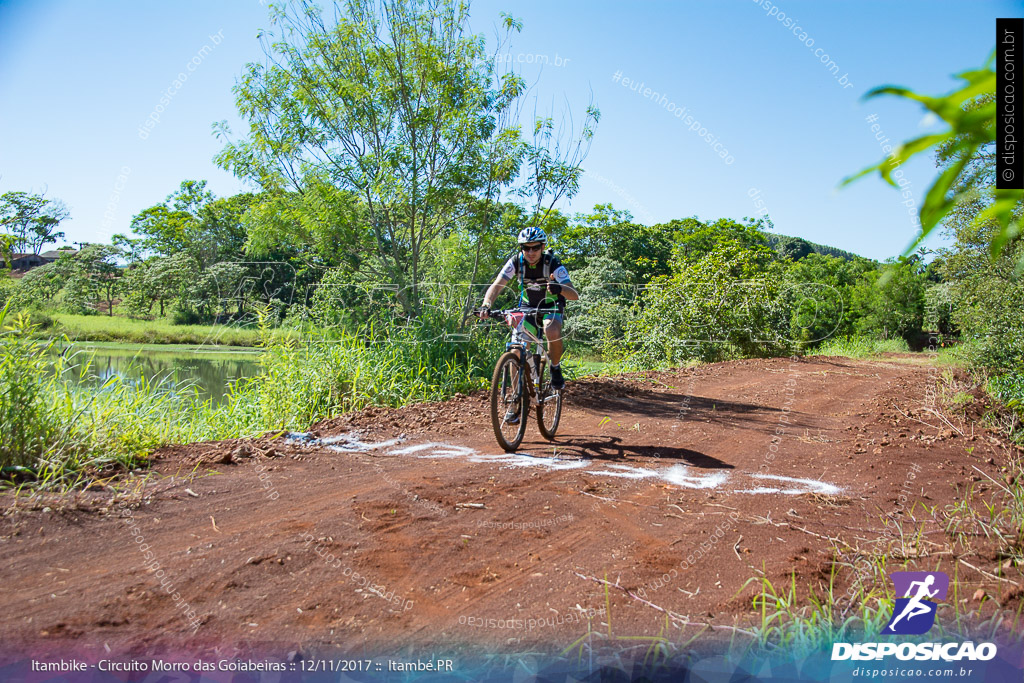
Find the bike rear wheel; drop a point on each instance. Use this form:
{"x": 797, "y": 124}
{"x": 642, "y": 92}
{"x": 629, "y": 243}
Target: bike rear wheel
{"x": 509, "y": 400}
{"x": 549, "y": 409}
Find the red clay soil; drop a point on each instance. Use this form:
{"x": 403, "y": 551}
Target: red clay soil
{"x": 678, "y": 486}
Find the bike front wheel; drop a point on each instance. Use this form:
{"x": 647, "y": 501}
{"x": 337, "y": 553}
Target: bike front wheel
{"x": 509, "y": 401}
{"x": 549, "y": 408}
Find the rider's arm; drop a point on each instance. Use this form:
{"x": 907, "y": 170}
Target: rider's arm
{"x": 494, "y": 290}
{"x": 507, "y": 272}
{"x": 568, "y": 292}
{"x": 561, "y": 276}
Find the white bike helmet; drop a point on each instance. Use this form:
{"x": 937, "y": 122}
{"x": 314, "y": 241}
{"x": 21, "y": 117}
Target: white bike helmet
{"x": 532, "y": 234}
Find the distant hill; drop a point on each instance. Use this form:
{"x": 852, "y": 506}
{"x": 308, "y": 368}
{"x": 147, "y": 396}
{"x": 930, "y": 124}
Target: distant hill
{"x": 781, "y": 243}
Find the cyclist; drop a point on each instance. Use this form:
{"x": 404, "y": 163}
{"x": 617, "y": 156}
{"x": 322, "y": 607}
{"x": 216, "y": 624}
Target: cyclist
{"x": 545, "y": 283}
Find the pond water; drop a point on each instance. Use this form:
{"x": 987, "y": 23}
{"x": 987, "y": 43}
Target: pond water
{"x": 209, "y": 369}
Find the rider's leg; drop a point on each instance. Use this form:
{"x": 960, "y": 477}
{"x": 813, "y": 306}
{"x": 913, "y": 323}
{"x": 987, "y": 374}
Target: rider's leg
{"x": 553, "y": 332}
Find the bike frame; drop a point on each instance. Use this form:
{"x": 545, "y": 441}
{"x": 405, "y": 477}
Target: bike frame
{"x": 522, "y": 341}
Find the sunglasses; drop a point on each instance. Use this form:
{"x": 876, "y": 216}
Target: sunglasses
{"x": 535, "y": 247}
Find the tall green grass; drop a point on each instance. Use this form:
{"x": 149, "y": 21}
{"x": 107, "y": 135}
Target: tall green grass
{"x": 861, "y": 347}
{"x": 53, "y": 431}
{"x": 102, "y": 328}
{"x": 305, "y": 382}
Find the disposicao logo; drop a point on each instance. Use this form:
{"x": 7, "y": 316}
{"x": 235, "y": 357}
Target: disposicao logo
{"x": 913, "y": 615}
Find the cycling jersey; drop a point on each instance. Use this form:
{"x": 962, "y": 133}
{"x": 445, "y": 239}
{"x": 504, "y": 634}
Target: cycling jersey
{"x": 535, "y": 275}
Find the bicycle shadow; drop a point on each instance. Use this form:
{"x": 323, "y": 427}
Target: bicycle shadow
{"x": 609, "y": 447}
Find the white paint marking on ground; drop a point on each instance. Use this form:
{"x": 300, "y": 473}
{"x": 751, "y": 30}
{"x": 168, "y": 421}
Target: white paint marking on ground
{"x": 807, "y": 486}
{"x": 336, "y": 439}
{"x": 527, "y": 460}
{"x": 412, "y": 449}
{"x": 628, "y": 472}
{"x": 447, "y": 451}
{"x": 679, "y": 475}
{"x": 339, "y": 442}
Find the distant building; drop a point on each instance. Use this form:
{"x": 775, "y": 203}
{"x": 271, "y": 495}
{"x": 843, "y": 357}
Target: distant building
{"x": 53, "y": 255}
{"x": 24, "y": 262}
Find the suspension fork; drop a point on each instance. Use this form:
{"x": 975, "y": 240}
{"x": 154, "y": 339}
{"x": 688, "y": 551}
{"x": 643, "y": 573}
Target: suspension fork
{"x": 525, "y": 379}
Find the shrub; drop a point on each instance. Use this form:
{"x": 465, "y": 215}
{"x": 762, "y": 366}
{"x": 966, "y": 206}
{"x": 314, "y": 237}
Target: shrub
{"x": 729, "y": 303}
{"x": 27, "y": 427}
{"x": 861, "y": 346}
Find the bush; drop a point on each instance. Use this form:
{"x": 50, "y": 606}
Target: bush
{"x": 602, "y": 311}
{"x": 39, "y": 320}
{"x": 1009, "y": 388}
{"x": 188, "y": 316}
{"x": 861, "y": 347}
{"x": 890, "y": 302}
{"x": 7, "y": 287}
{"x": 729, "y": 303}
{"x": 57, "y": 431}
{"x": 938, "y": 309}
{"x": 27, "y": 427}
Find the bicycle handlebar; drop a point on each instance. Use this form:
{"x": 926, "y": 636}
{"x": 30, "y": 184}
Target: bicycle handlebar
{"x": 529, "y": 310}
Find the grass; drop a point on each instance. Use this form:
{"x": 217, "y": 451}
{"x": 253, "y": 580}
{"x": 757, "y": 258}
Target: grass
{"x": 103, "y": 328}
{"x": 128, "y": 348}
{"x": 584, "y": 367}
{"x": 55, "y": 433}
{"x": 1008, "y": 388}
{"x": 792, "y": 624}
{"x": 853, "y": 599}
{"x": 861, "y": 347}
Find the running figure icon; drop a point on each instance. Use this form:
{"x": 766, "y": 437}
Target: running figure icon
{"x": 914, "y": 606}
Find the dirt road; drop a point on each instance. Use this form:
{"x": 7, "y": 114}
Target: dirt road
{"x": 393, "y": 528}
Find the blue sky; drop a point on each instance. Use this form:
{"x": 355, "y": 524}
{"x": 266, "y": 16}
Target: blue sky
{"x": 78, "y": 79}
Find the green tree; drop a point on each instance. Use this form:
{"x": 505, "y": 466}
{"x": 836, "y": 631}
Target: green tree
{"x": 393, "y": 103}
{"x": 95, "y": 268}
{"x": 326, "y": 225}
{"x": 192, "y": 221}
{"x": 793, "y": 248}
{"x": 606, "y": 297}
{"x": 986, "y": 293}
{"x": 889, "y": 302}
{"x": 821, "y": 295}
{"x": 155, "y": 281}
{"x": 692, "y": 239}
{"x": 728, "y": 303}
{"x": 985, "y": 287}
{"x": 554, "y": 158}
{"x": 41, "y": 285}
{"x": 31, "y": 220}
{"x": 938, "y": 309}
{"x": 7, "y": 243}
{"x": 133, "y": 249}
{"x": 643, "y": 252}
{"x": 965, "y": 148}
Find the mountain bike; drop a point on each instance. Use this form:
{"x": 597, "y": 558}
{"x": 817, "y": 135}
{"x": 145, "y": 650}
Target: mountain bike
{"x": 520, "y": 380}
